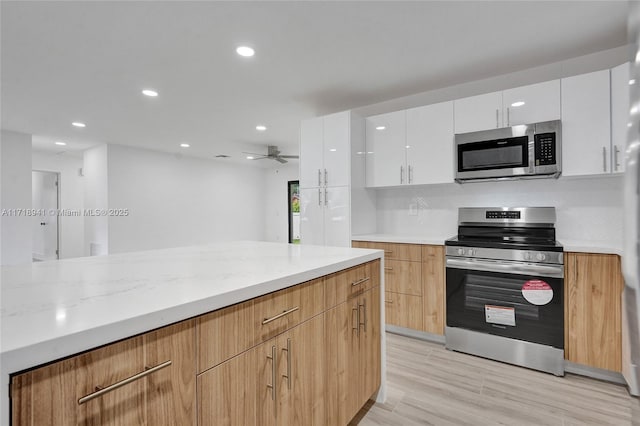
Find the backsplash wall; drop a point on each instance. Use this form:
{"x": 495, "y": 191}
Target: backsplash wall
{"x": 588, "y": 209}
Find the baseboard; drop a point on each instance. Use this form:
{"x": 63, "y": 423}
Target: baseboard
{"x": 594, "y": 373}
{"x": 416, "y": 334}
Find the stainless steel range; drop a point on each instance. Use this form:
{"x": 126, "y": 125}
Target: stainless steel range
{"x": 505, "y": 285}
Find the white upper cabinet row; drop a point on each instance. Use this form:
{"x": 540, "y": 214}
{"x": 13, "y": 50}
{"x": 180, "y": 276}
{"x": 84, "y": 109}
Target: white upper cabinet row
{"x": 413, "y": 146}
{"x": 522, "y": 105}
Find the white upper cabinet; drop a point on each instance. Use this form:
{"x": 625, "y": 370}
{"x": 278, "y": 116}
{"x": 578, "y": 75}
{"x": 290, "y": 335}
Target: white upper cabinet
{"x": 586, "y": 124}
{"x": 312, "y": 216}
{"x": 619, "y": 115}
{"x": 430, "y": 144}
{"x": 386, "y": 153}
{"x": 325, "y": 216}
{"x": 522, "y": 105}
{"x": 480, "y": 112}
{"x": 531, "y": 104}
{"x": 325, "y": 151}
{"x": 311, "y": 162}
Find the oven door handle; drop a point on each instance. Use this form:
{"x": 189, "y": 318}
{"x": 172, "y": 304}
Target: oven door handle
{"x": 552, "y": 271}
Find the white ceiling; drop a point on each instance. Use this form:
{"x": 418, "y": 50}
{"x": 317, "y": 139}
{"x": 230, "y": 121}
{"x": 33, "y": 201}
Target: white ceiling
{"x": 88, "y": 61}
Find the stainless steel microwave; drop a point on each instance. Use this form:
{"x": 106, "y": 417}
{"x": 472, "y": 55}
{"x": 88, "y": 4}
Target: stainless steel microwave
{"x": 523, "y": 151}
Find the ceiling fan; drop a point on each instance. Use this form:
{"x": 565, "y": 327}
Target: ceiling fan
{"x": 273, "y": 153}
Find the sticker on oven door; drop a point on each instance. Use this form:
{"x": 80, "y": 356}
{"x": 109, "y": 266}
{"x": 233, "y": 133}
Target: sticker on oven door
{"x": 537, "y": 292}
{"x": 500, "y": 315}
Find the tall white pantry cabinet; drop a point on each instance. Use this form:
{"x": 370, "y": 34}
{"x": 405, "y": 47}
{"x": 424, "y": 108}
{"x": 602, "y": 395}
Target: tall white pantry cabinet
{"x": 332, "y": 157}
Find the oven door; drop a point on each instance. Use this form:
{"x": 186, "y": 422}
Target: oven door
{"x": 510, "y": 299}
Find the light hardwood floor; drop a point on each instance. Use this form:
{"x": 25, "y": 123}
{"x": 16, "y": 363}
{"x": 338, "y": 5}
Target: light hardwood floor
{"x": 429, "y": 385}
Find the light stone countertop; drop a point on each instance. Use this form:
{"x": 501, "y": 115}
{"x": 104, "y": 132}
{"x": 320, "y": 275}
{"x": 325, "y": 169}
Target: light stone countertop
{"x": 51, "y": 310}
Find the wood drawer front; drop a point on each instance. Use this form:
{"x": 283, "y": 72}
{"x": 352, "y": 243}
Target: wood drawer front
{"x": 393, "y": 251}
{"x": 404, "y": 310}
{"x": 279, "y": 311}
{"x": 402, "y": 276}
{"x": 224, "y": 333}
{"x": 351, "y": 282}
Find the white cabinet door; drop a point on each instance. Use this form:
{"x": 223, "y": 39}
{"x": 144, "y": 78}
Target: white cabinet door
{"x": 311, "y": 165}
{"x": 531, "y": 104}
{"x": 619, "y": 115}
{"x": 430, "y": 144}
{"x": 337, "y": 149}
{"x": 337, "y": 218}
{"x": 480, "y": 112}
{"x": 312, "y": 216}
{"x": 586, "y": 124}
{"x": 386, "y": 153}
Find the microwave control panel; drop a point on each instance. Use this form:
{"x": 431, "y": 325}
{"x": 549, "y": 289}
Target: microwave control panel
{"x": 545, "y": 149}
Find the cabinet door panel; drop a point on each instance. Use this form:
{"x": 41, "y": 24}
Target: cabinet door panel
{"x": 480, "y": 112}
{"x": 619, "y": 115}
{"x": 430, "y": 144}
{"x": 312, "y": 216}
{"x": 336, "y": 149}
{"x": 311, "y": 165}
{"x": 369, "y": 344}
{"x": 586, "y": 124}
{"x": 337, "y": 217}
{"x": 404, "y": 310}
{"x": 593, "y": 285}
{"x": 171, "y": 392}
{"x": 386, "y": 152}
{"x": 404, "y": 277}
{"x": 433, "y": 296}
{"x": 301, "y": 377}
{"x": 541, "y": 103}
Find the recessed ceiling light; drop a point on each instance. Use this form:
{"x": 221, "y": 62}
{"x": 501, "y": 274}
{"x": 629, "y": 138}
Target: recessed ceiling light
{"x": 629, "y": 124}
{"x": 61, "y": 143}
{"x": 78, "y": 124}
{"x": 632, "y": 81}
{"x": 185, "y": 145}
{"x": 517, "y": 104}
{"x": 261, "y": 128}
{"x": 381, "y": 127}
{"x": 333, "y": 150}
{"x": 245, "y": 51}
{"x": 249, "y": 157}
{"x": 150, "y": 92}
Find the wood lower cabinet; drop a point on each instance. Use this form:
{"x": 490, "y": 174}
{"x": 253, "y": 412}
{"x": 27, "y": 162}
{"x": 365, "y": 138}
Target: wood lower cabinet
{"x": 404, "y": 310}
{"x": 593, "y": 329}
{"x": 51, "y": 395}
{"x": 279, "y": 359}
{"x": 433, "y": 295}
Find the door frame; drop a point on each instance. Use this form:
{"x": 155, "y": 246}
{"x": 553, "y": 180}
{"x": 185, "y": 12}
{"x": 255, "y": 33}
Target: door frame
{"x": 290, "y": 183}
{"x": 58, "y": 223}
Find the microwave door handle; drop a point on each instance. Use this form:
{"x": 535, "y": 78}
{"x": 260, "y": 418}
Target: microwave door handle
{"x": 553, "y": 271}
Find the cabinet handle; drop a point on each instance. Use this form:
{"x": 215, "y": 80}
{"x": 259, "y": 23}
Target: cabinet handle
{"x": 401, "y": 175}
{"x": 319, "y": 197}
{"x": 101, "y": 391}
{"x": 364, "y": 307}
{"x": 508, "y": 117}
{"x": 355, "y": 283}
{"x": 388, "y": 268}
{"x": 388, "y": 252}
{"x": 326, "y": 178}
{"x": 326, "y": 198}
{"x": 357, "y": 326}
{"x": 272, "y": 386}
{"x": 319, "y": 178}
{"x": 388, "y": 301}
{"x": 497, "y": 119}
{"x": 616, "y": 151}
{"x": 268, "y": 320}
{"x": 288, "y": 375}
{"x": 604, "y": 158}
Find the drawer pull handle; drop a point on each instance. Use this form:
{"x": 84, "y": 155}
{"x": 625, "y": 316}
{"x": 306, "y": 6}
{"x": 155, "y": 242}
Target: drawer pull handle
{"x": 388, "y": 268}
{"x": 355, "y": 283}
{"x": 388, "y": 301}
{"x": 268, "y": 320}
{"x": 99, "y": 392}
{"x": 388, "y": 252}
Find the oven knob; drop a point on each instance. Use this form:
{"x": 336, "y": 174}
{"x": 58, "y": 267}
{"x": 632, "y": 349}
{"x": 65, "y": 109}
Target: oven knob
{"x": 526, "y": 255}
{"x": 541, "y": 256}
{"x": 460, "y": 252}
{"x": 471, "y": 252}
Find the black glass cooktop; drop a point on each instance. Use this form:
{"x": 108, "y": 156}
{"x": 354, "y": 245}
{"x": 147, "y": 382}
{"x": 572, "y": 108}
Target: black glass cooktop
{"x": 518, "y": 238}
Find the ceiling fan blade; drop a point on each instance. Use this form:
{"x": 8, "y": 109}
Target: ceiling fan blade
{"x": 280, "y": 160}
{"x": 254, "y": 153}
{"x": 289, "y": 156}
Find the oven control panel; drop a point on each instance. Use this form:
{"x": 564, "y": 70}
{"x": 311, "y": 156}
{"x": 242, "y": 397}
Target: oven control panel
{"x": 501, "y": 214}
{"x": 530, "y": 256}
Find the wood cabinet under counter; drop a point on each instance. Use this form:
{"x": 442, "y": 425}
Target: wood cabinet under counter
{"x": 262, "y": 360}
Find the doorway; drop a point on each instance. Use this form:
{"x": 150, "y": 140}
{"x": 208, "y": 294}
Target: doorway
{"x": 293, "y": 189}
{"x": 45, "y": 192}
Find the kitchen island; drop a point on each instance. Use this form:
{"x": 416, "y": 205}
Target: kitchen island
{"x": 54, "y": 310}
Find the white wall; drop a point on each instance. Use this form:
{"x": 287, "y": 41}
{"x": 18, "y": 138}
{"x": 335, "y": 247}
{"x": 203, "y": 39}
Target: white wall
{"x": 276, "y": 202}
{"x": 588, "y": 209}
{"x": 15, "y": 193}
{"x": 177, "y": 201}
{"x": 71, "y": 184}
{"x": 96, "y": 228}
